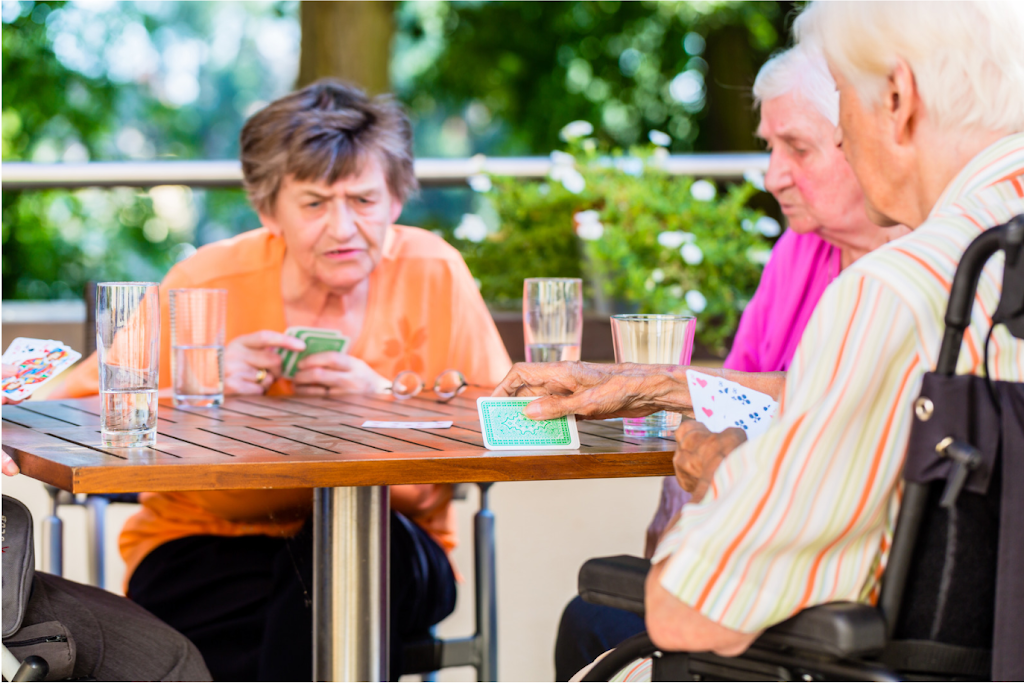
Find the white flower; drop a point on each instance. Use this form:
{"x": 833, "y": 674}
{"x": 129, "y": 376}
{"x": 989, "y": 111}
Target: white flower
{"x": 562, "y": 159}
{"x": 649, "y": 285}
{"x": 692, "y": 254}
{"x": 748, "y": 225}
{"x": 588, "y": 225}
{"x": 476, "y": 281}
{"x": 631, "y": 166}
{"x": 676, "y": 291}
{"x": 576, "y": 129}
{"x": 768, "y": 226}
{"x": 674, "y": 239}
{"x": 695, "y": 301}
{"x": 703, "y": 191}
{"x": 658, "y": 275}
{"x": 659, "y": 138}
{"x": 481, "y": 182}
{"x": 759, "y": 256}
{"x": 573, "y": 181}
{"x": 471, "y": 228}
{"x": 755, "y": 178}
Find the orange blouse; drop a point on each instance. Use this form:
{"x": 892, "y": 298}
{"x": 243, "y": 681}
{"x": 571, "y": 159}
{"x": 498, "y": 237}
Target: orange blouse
{"x": 424, "y": 314}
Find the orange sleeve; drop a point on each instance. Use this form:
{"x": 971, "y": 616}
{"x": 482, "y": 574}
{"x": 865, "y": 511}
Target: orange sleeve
{"x": 476, "y": 347}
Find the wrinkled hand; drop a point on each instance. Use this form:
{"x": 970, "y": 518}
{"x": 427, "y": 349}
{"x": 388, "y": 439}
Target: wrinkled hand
{"x": 330, "y": 373}
{"x": 591, "y": 391}
{"x": 698, "y": 454}
{"x": 245, "y": 356}
{"x": 10, "y": 468}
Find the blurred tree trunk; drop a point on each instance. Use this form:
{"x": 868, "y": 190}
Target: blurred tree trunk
{"x": 346, "y": 40}
{"x": 730, "y": 119}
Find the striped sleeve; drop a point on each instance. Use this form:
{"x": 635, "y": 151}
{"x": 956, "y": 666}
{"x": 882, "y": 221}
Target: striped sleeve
{"x": 796, "y": 517}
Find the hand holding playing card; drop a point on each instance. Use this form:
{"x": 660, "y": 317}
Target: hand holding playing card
{"x": 699, "y": 451}
{"x": 246, "y": 356}
{"x": 332, "y": 372}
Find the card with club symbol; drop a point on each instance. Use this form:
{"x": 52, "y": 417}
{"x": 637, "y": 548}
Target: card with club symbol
{"x": 719, "y": 404}
{"x": 506, "y": 428}
{"x": 316, "y": 340}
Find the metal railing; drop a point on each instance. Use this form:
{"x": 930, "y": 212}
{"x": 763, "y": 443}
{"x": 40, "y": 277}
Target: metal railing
{"x": 430, "y": 172}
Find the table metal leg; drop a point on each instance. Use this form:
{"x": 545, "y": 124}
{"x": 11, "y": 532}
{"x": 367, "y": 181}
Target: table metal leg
{"x": 351, "y": 586}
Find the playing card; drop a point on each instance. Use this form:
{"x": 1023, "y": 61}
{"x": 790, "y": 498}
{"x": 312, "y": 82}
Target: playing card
{"x": 707, "y": 408}
{"x": 733, "y": 404}
{"x": 36, "y": 362}
{"x": 506, "y": 428}
{"x": 316, "y": 340}
{"x": 377, "y": 424}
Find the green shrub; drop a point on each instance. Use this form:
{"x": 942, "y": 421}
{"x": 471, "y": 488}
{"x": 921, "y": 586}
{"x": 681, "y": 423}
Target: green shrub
{"x": 644, "y": 240}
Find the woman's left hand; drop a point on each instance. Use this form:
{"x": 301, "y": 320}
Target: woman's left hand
{"x": 330, "y": 373}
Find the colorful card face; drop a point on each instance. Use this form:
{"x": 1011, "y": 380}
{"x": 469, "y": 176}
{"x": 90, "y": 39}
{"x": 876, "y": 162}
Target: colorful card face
{"x": 506, "y": 428}
{"x": 719, "y": 404}
{"x": 317, "y": 340}
{"x": 36, "y": 362}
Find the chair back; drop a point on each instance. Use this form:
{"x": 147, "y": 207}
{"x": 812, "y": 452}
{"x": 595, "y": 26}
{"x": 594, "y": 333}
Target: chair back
{"x": 953, "y": 588}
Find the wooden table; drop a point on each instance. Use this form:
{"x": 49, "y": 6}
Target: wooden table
{"x": 272, "y": 442}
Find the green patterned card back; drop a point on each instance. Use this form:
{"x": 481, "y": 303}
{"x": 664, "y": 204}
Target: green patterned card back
{"x": 505, "y": 427}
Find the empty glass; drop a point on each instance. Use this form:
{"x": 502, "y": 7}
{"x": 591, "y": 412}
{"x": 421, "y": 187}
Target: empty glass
{"x": 654, "y": 339}
{"x": 198, "y": 324}
{"x": 552, "y": 318}
{"x": 128, "y": 342}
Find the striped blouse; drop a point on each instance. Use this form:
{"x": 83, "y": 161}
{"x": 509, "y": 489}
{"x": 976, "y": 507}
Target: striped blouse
{"x": 803, "y": 515}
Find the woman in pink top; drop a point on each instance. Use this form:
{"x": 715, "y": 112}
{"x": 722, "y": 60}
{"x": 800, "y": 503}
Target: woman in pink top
{"x": 828, "y": 230}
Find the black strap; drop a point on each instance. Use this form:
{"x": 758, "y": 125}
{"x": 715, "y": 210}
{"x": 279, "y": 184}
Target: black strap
{"x": 926, "y": 656}
{"x": 628, "y": 651}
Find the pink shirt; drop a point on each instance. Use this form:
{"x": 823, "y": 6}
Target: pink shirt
{"x": 800, "y": 269}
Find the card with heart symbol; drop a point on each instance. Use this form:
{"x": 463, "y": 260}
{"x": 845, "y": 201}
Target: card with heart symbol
{"x": 719, "y": 404}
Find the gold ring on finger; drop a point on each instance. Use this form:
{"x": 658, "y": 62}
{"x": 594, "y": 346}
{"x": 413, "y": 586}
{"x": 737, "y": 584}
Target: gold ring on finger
{"x": 261, "y": 375}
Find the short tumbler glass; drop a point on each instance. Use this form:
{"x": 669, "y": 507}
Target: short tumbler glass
{"x": 198, "y": 324}
{"x": 128, "y": 343}
{"x": 552, "y": 318}
{"x": 653, "y": 339}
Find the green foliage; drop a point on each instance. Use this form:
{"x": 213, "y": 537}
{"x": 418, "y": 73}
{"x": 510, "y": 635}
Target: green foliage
{"x": 512, "y": 73}
{"x": 625, "y": 232}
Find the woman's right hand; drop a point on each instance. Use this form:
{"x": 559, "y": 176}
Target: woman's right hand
{"x": 246, "y": 356}
{"x": 10, "y": 468}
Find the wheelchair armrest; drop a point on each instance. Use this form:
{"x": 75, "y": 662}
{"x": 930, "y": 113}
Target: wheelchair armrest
{"x": 615, "y": 582}
{"x": 839, "y": 629}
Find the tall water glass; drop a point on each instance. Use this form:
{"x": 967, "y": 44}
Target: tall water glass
{"x": 198, "y": 324}
{"x": 552, "y": 318}
{"x": 128, "y": 342}
{"x": 655, "y": 339}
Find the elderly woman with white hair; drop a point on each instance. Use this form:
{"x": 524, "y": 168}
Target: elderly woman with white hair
{"x": 931, "y": 103}
{"x": 828, "y": 230}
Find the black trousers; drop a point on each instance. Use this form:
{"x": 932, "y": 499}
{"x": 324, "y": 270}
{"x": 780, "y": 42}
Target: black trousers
{"x": 246, "y": 602}
{"x": 587, "y": 631}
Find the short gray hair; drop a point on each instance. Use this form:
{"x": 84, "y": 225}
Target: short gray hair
{"x": 800, "y": 69}
{"x": 966, "y": 57}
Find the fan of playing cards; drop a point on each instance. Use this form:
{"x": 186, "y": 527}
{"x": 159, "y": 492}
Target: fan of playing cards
{"x": 719, "y": 404}
{"x": 36, "y": 362}
{"x": 316, "y": 340}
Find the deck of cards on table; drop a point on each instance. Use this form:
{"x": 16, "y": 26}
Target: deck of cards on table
{"x": 316, "y": 340}
{"x": 719, "y": 404}
{"x": 506, "y": 428}
{"x": 36, "y": 362}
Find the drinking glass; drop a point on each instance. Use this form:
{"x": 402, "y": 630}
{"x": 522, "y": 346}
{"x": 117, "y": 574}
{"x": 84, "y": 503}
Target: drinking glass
{"x": 198, "y": 323}
{"x": 655, "y": 339}
{"x": 128, "y": 342}
{"x": 552, "y": 318}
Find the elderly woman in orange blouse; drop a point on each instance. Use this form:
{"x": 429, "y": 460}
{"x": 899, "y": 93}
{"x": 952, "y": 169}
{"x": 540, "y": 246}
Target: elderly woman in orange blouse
{"x": 328, "y": 170}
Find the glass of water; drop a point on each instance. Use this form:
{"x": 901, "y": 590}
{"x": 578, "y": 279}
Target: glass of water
{"x": 552, "y": 318}
{"x": 654, "y": 339}
{"x": 128, "y": 342}
{"x": 198, "y": 324}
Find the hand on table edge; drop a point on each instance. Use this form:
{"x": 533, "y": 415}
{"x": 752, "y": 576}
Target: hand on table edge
{"x": 674, "y": 625}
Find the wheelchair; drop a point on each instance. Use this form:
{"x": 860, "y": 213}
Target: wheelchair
{"x": 952, "y": 596}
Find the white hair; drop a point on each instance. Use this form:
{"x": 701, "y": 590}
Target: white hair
{"x": 967, "y": 57}
{"x": 800, "y": 69}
